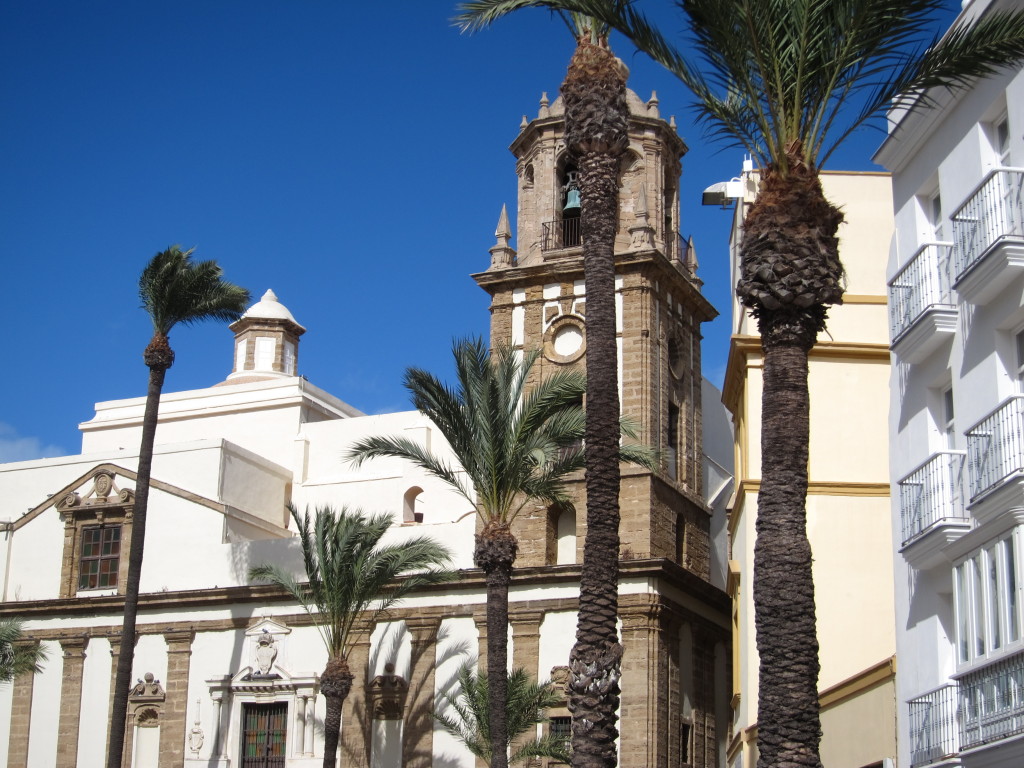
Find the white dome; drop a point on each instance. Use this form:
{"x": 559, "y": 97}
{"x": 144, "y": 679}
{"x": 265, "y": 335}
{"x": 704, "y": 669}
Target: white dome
{"x": 270, "y": 308}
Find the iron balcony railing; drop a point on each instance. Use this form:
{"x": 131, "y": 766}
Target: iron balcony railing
{"x": 934, "y": 732}
{"x": 923, "y": 282}
{"x": 994, "y": 211}
{"x": 561, "y": 233}
{"x": 932, "y": 493}
{"x": 995, "y": 446}
{"x": 992, "y": 702}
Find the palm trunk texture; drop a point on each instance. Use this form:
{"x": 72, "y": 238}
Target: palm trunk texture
{"x": 495, "y": 554}
{"x": 595, "y": 97}
{"x": 790, "y": 272}
{"x": 159, "y": 357}
{"x": 335, "y": 685}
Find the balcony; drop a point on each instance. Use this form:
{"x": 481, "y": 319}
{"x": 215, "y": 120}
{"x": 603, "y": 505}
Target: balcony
{"x": 932, "y": 509}
{"x": 561, "y": 233}
{"x": 992, "y": 702}
{"x": 995, "y": 455}
{"x": 934, "y": 732}
{"x": 922, "y": 313}
{"x": 988, "y": 234}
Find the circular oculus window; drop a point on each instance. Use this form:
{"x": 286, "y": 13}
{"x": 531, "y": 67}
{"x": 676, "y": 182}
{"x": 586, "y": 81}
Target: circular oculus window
{"x": 565, "y": 342}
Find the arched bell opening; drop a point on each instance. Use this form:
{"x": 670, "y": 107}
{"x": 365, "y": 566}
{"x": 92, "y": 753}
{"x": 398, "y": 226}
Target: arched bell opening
{"x": 568, "y": 204}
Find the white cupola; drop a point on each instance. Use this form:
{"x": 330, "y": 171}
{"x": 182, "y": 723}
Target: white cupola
{"x": 266, "y": 341}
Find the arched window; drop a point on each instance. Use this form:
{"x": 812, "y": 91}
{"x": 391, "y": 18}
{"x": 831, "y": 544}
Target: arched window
{"x": 561, "y": 535}
{"x": 411, "y": 506}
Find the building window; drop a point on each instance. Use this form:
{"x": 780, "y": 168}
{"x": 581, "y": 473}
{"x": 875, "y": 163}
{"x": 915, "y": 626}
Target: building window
{"x": 935, "y": 215}
{"x": 986, "y": 587}
{"x": 265, "y": 728}
{"x": 561, "y": 728}
{"x": 948, "y": 419}
{"x": 99, "y": 557}
{"x": 412, "y": 506}
{"x": 1001, "y": 140}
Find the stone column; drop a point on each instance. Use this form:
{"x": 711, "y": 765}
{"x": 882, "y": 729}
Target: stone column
{"x": 172, "y": 721}
{"x": 418, "y": 728}
{"x": 643, "y": 727}
{"x": 73, "y": 649}
{"x": 21, "y": 716}
{"x": 356, "y": 720}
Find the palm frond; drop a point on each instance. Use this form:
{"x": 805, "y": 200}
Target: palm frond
{"x": 528, "y": 701}
{"x": 173, "y": 289}
{"x": 17, "y": 657}
{"x": 351, "y": 577}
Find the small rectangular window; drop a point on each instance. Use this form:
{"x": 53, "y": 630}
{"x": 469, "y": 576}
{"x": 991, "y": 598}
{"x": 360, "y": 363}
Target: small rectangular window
{"x": 1001, "y": 135}
{"x": 99, "y": 557}
{"x": 935, "y": 214}
{"x": 561, "y": 728}
{"x": 672, "y": 441}
{"x": 949, "y": 419}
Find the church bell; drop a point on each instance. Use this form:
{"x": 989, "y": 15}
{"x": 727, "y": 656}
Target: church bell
{"x": 572, "y": 194}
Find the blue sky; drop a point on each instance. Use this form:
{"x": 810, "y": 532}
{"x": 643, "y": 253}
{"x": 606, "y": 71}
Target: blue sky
{"x": 351, "y": 156}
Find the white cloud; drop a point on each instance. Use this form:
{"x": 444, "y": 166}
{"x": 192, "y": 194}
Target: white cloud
{"x": 14, "y": 447}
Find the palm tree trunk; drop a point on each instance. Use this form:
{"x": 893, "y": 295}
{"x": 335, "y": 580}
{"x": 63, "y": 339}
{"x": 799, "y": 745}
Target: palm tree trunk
{"x": 335, "y": 685}
{"x": 790, "y": 273}
{"x": 789, "y": 728}
{"x": 595, "y": 659}
{"x": 126, "y": 656}
{"x": 495, "y": 554}
{"x": 596, "y": 130}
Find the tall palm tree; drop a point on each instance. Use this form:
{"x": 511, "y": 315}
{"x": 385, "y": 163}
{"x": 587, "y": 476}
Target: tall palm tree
{"x": 528, "y": 703}
{"x": 173, "y": 289}
{"x": 15, "y": 657}
{"x": 596, "y": 125}
{"x": 515, "y": 445}
{"x": 351, "y": 579}
{"x": 789, "y": 81}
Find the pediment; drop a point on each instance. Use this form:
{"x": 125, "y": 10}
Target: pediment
{"x": 106, "y": 486}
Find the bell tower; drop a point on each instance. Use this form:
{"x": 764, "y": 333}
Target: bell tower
{"x": 675, "y": 624}
{"x": 538, "y": 300}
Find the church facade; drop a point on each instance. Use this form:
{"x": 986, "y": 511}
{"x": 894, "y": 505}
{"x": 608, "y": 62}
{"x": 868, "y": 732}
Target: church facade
{"x": 227, "y": 670}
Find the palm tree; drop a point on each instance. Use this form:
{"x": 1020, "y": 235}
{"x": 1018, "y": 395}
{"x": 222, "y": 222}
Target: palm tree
{"x": 516, "y": 446}
{"x": 352, "y": 579}
{"x": 528, "y": 703}
{"x": 789, "y": 81}
{"x": 173, "y": 290}
{"x": 15, "y": 657}
{"x": 596, "y": 124}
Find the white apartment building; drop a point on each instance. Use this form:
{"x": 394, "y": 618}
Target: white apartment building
{"x": 956, "y": 307}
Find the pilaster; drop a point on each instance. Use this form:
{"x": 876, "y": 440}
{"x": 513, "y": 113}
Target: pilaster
{"x": 643, "y": 728}
{"x": 21, "y": 718}
{"x": 418, "y": 729}
{"x": 355, "y": 717}
{"x": 73, "y": 650}
{"x": 172, "y": 723}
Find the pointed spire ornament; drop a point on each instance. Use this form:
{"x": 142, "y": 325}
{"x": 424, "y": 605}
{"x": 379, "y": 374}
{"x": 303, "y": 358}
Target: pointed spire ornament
{"x": 652, "y": 105}
{"x": 544, "y": 104}
{"x": 523, "y": 123}
{"x": 502, "y": 254}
